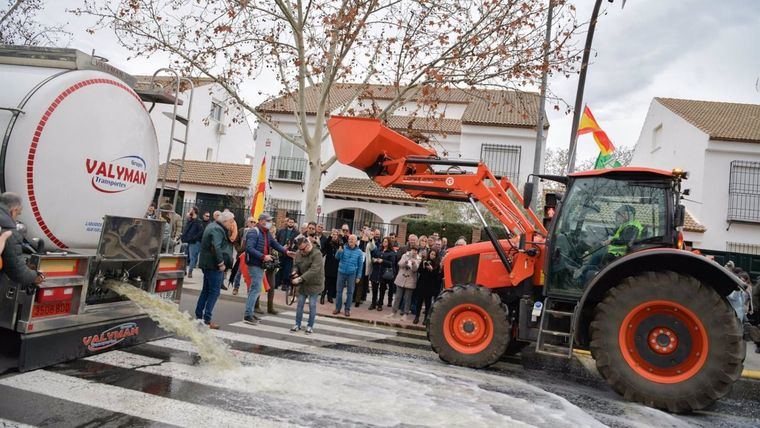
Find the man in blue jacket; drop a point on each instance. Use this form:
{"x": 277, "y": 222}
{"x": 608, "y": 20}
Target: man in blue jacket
{"x": 192, "y": 235}
{"x": 259, "y": 244}
{"x": 350, "y": 269}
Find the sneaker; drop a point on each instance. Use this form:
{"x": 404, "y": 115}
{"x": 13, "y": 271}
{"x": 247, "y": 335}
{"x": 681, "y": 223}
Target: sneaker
{"x": 391, "y": 315}
{"x": 330, "y": 300}
{"x": 372, "y": 307}
{"x": 295, "y": 328}
{"x": 224, "y": 287}
{"x": 213, "y": 326}
{"x": 347, "y": 313}
{"x": 336, "y": 312}
{"x": 190, "y": 274}
{"x": 309, "y": 330}
{"x": 379, "y": 307}
{"x": 258, "y": 311}
{"x": 235, "y": 291}
{"x": 250, "y": 320}
{"x": 416, "y": 320}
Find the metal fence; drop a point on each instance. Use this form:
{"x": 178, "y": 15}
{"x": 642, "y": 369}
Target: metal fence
{"x": 744, "y": 191}
{"x": 287, "y": 169}
{"x": 355, "y": 224}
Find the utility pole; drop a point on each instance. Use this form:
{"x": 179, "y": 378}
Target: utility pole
{"x": 581, "y": 86}
{"x": 542, "y": 105}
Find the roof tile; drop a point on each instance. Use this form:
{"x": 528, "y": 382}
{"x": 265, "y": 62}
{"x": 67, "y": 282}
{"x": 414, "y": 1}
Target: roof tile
{"x": 692, "y": 225}
{"x": 365, "y": 187}
{"x": 220, "y": 174}
{"x": 720, "y": 120}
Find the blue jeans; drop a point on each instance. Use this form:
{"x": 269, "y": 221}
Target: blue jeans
{"x": 212, "y": 284}
{"x": 345, "y": 281}
{"x": 192, "y": 255}
{"x": 736, "y": 299}
{"x": 257, "y": 278}
{"x": 312, "y": 308}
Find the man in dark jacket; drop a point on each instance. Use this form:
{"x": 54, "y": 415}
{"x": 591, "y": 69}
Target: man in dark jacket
{"x": 191, "y": 235}
{"x": 285, "y": 237}
{"x": 259, "y": 243}
{"x": 14, "y": 264}
{"x": 215, "y": 257}
{"x": 310, "y": 277}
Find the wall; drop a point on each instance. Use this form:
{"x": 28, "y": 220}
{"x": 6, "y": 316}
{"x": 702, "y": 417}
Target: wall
{"x": 715, "y": 197}
{"x": 386, "y": 212}
{"x": 473, "y": 137}
{"x": 233, "y": 146}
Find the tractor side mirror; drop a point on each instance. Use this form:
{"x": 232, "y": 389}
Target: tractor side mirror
{"x": 680, "y": 216}
{"x": 527, "y": 194}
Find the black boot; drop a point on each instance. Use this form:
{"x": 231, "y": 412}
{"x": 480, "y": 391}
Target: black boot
{"x": 322, "y": 299}
{"x": 416, "y": 320}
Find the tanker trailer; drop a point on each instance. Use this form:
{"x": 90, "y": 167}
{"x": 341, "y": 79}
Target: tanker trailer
{"x": 80, "y": 148}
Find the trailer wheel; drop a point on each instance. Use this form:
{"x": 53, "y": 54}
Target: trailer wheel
{"x": 667, "y": 340}
{"x": 468, "y": 326}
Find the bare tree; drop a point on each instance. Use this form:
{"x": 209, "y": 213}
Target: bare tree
{"x": 420, "y": 48}
{"x": 19, "y": 26}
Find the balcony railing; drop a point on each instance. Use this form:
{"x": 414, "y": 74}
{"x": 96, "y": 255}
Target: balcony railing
{"x": 287, "y": 169}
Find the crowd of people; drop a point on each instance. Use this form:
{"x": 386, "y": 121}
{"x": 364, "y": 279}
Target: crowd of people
{"x": 341, "y": 268}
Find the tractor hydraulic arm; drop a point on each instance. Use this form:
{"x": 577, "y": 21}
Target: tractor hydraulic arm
{"x": 391, "y": 159}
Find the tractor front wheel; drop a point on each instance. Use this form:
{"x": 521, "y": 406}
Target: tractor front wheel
{"x": 469, "y": 327}
{"x": 667, "y": 340}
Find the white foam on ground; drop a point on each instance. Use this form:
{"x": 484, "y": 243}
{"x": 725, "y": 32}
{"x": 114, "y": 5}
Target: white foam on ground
{"x": 395, "y": 393}
{"x": 7, "y": 423}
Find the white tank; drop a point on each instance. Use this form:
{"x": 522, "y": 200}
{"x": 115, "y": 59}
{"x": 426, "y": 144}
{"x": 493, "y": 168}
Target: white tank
{"x": 83, "y": 147}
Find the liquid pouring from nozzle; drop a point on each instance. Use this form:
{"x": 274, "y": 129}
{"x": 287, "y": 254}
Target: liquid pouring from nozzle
{"x": 212, "y": 350}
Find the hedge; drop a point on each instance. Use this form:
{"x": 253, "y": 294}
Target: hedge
{"x": 452, "y": 231}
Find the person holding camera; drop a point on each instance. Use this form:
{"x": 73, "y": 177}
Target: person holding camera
{"x": 406, "y": 281}
{"x": 428, "y": 284}
{"x": 350, "y": 269}
{"x": 259, "y": 244}
{"x": 309, "y": 276}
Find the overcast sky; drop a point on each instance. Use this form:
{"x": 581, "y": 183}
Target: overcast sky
{"x": 695, "y": 49}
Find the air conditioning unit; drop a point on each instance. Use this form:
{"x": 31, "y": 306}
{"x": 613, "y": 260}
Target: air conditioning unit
{"x": 221, "y": 128}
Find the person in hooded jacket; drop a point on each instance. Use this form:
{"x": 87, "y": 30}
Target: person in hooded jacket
{"x": 14, "y": 265}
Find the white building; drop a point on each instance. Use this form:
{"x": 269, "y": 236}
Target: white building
{"x": 498, "y": 127}
{"x": 718, "y": 143}
{"x": 219, "y": 132}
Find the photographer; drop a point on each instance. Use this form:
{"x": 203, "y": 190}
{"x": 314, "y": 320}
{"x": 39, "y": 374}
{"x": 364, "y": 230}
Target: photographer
{"x": 309, "y": 276}
{"x": 429, "y": 284}
{"x": 259, "y": 243}
{"x": 406, "y": 281}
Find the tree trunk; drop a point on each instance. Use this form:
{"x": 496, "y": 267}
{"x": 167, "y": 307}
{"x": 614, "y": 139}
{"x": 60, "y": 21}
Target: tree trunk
{"x": 312, "y": 185}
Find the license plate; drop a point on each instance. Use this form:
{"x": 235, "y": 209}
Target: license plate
{"x": 50, "y": 309}
{"x": 166, "y": 295}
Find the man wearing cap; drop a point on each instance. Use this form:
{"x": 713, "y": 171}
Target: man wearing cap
{"x": 259, "y": 243}
{"x": 215, "y": 258}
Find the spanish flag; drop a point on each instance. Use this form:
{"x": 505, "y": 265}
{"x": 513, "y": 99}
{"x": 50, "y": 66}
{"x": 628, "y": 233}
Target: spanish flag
{"x": 257, "y": 206}
{"x": 589, "y": 124}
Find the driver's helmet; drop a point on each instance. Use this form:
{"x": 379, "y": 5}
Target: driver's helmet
{"x": 626, "y": 210}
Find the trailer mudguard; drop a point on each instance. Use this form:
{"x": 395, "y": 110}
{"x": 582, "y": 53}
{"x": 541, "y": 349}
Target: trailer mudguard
{"x": 657, "y": 259}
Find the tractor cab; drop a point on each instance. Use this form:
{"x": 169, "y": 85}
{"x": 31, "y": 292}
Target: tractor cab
{"x": 605, "y": 215}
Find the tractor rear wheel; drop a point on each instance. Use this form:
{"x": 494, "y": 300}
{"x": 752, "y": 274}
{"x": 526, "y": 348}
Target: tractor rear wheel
{"x": 667, "y": 340}
{"x": 468, "y": 326}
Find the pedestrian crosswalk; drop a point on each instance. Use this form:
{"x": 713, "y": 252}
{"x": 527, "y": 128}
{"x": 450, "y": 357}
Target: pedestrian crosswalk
{"x": 345, "y": 374}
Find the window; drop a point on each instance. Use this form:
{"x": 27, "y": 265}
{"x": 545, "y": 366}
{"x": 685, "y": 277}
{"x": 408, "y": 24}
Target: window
{"x": 742, "y": 248}
{"x": 656, "y": 137}
{"x": 291, "y": 206}
{"x": 216, "y": 111}
{"x": 744, "y": 191}
{"x": 209, "y": 154}
{"x": 248, "y": 160}
{"x": 289, "y": 150}
{"x": 504, "y": 161}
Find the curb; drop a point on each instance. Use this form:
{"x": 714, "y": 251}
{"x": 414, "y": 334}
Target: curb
{"x": 232, "y": 298}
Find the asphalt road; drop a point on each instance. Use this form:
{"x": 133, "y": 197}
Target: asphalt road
{"x": 346, "y": 374}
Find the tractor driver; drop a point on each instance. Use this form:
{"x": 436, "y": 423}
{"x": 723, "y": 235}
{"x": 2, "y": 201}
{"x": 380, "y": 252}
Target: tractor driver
{"x": 627, "y": 231}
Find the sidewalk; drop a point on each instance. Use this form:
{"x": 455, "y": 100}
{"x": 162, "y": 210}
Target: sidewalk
{"x": 360, "y": 314}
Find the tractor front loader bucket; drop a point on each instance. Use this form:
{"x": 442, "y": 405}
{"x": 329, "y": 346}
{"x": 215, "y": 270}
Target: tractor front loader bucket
{"x": 365, "y": 143}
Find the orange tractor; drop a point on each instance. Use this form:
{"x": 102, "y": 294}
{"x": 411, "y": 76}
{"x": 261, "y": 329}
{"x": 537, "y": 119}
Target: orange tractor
{"x": 608, "y": 275}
